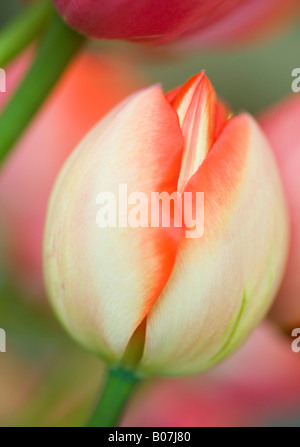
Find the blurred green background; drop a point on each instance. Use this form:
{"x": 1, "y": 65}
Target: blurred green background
{"x": 61, "y": 388}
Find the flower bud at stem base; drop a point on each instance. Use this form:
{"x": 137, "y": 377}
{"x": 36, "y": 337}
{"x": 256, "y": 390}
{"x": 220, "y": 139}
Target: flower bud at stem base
{"x": 118, "y": 387}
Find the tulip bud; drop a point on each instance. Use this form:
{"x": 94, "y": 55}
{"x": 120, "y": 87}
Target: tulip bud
{"x": 136, "y": 290}
{"x": 160, "y": 21}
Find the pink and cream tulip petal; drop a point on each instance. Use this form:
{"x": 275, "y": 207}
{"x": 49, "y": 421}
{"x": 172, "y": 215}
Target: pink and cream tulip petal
{"x": 160, "y": 21}
{"x": 196, "y": 298}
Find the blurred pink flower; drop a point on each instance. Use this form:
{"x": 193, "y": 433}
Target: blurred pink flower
{"x": 281, "y": 125}
{"x": 160, "y": 21}
{"x": 244, "y": 21}
{"x": 91, "y": 87}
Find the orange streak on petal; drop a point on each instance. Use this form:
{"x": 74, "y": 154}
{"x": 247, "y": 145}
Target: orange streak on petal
{"x": 195, "y": 105}
{"x": 221, "y": 173}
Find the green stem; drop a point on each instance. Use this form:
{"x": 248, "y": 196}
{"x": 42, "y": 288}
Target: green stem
{"x": 24, "y": 29}
{"x": 55, "y": 52}
{"x": 117, "y": 390}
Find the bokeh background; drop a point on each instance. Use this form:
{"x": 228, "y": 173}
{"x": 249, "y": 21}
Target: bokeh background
{"x": 47, "y": 380}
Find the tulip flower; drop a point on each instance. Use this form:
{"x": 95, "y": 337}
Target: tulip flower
{"x": 90, "y": 87}
{"x": 281, "y": 125}
{"x": 150, "y": 297}
{"x": 160, "y": 21}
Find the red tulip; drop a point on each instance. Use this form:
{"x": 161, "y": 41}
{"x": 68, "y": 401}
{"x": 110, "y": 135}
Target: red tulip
{"x": 90, "y": 87}
{"x": 281, "y": 125}
{"x": 160, "y": 21}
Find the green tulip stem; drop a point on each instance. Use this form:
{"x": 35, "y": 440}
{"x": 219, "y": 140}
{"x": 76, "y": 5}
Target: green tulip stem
{"x": 18, "y": 34}
{"x": 118, "y": 388}
{"x": 58, "y": 47}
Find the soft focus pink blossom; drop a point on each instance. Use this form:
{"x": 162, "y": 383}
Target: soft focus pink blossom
{"x": 160, "y": 21}
{"x": 281, "y": 125}
{"x": 244, "y": 21}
